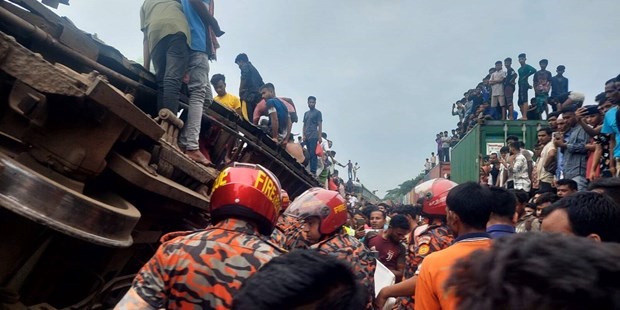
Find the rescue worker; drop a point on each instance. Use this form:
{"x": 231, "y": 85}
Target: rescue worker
{"x": 427, "y": 239}
{"x": 203, "y": 269}
{"x": 287, "y": 232}
{"x": 323, "y": 214}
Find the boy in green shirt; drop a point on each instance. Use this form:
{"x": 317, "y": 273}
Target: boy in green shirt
{"x": 525, "y": 71}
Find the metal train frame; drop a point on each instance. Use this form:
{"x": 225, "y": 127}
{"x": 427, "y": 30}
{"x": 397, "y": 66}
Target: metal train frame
{"x": 89, "y": 180}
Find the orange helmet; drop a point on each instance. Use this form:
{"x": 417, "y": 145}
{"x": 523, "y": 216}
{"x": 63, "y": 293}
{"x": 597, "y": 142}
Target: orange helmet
{"x": 434, "y": 193}
{"x": 247, "y": 191}
{"x": 286, "y": 201}
{"x": 327, "y": 205}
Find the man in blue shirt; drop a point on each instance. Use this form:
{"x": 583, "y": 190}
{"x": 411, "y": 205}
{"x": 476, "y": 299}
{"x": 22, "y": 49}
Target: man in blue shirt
{"x": 610, "y": 123}
{"x": 279, "y": 119}
{"x": 199, "y": 88}
{"x": 574, "y": 149}
{"x": 503, "y": 213}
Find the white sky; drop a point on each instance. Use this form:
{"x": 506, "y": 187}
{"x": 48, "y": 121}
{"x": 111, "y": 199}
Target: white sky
{"x": 387, "y": 72}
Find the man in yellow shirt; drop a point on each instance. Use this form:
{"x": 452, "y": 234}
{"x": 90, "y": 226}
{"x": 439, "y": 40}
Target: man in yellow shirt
{"x": 219, "y": 83}
{"x": 469, "y": 207}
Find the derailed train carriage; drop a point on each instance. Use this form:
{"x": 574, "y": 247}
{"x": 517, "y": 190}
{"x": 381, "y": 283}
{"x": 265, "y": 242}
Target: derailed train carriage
{"x": 90, "y": 177}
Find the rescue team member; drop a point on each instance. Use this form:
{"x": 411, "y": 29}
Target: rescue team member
{"x": 323, "y": 214}
{"x": 428, "y": 238}
{"x": 287, "y": 233}
{"x": 203, "y": 269}
{"x": 469, "y": 208}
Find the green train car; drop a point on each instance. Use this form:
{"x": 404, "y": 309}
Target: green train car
{"x": 485, "y": 139}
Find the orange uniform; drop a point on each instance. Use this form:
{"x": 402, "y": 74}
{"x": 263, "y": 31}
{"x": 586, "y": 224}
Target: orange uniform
{"x": 202, "y": 270}
{"x": 359, "y": 257}
{"x": 429, "y": 291}
{"x": 287, "y": 234}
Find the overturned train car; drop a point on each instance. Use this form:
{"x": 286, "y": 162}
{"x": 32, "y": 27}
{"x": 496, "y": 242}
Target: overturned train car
{"x": 90, "y": 175}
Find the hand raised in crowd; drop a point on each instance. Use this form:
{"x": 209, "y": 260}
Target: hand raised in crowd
{"x": 558, "y": 141}
{"x": 581, "y": 113}
{"x": 360, "y": 232}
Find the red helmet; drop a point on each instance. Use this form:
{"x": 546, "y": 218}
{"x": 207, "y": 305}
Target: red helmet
{"x": 286, "y": 201}
{"x": 248, "y": 191}
{"x": 327, "y": 205}
{"x": 434, "y": 193}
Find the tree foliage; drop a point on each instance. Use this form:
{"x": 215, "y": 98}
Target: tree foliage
{"x": 403, "y": 188}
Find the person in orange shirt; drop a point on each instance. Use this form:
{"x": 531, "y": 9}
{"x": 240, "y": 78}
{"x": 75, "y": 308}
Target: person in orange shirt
{"x": 468, "y": 209}
{"x": 539, "y": 271}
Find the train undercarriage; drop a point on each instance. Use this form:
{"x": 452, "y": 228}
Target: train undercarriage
{"x": 90, "y": 174}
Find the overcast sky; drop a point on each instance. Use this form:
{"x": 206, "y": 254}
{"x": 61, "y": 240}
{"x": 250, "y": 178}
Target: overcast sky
{"x": 385, "y": 73}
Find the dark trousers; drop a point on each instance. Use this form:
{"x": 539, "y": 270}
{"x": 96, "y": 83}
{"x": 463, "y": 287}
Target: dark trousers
{"x": 170, "y": 58}
{"x": 445, "y": 154}
{"x": 311, "y": 145}
{"x": 250, "y": 105}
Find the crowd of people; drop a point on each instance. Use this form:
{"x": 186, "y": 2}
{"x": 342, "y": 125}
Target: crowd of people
{"x": 493, "y": 98}
{"x": 180, "y": 38}
{"x": 506, "y": 242}
{"x": 457, "y": 248}
{"x": 578, "y": 146}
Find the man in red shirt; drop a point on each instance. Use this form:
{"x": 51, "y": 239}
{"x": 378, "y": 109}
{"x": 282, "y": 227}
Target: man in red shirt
{"x": 389, "y": 247}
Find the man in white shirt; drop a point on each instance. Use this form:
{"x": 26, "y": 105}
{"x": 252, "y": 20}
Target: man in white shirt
{"x": 433, "y": 160}
{"x": 519, "y": 169}
{"x": 497, "y": 88}
{"x": 352, "y": 201}
{"x": 505, "y": 176}
{"x": 427, "y": 166}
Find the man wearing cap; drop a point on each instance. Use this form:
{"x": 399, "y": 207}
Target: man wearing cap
{"x": 559, "y": 83}
{"x": 574, "y": 149}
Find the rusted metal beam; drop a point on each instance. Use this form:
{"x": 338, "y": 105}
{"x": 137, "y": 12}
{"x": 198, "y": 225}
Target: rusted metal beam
{"x": 198, "y": 172}
{"x": 33, "y": 70}
{"x": 69, "y": 34}
{"x": 155, "y": 183}
{"x": 44, "y": 38}
{"x": 118, "y": 103}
